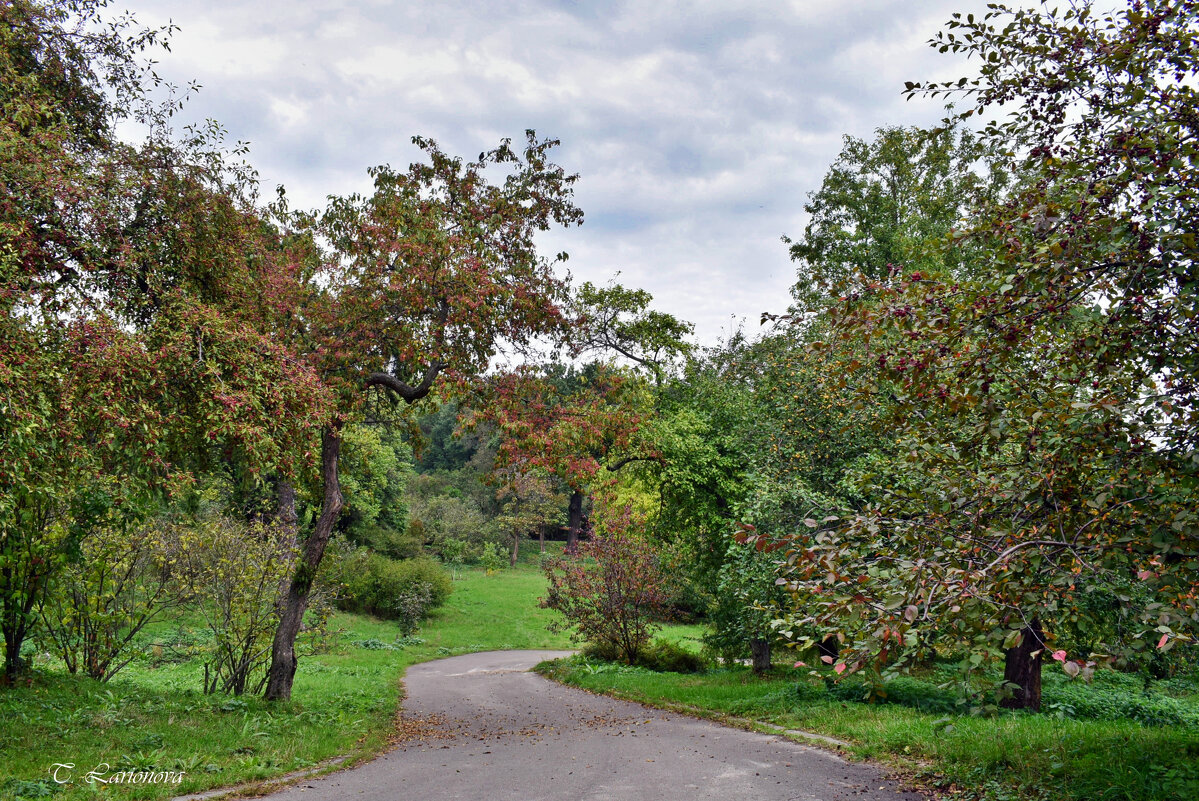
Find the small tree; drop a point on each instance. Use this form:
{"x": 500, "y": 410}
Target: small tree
{"x": 614, "y": 592}
{"x": 529, "y": 503}
{"x": 237, "y": 572}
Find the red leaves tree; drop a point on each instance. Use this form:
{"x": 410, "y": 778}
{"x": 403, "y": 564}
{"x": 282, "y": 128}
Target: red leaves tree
{"x": 128, "y": 353}
{"x": 615, "y": 592}
{"x": 1045, "y": 405}
{"x": 424, "y": 280}
{"x": 577, "y": 425}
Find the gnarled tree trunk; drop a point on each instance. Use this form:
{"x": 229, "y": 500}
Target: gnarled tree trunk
{"x": 1022, "y": 669}
{"x": 295, "y": 602}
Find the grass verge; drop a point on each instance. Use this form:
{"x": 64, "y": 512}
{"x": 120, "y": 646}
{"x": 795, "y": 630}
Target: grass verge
{"x": 1005, "y": 758}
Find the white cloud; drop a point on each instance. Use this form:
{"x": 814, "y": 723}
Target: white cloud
{"x": 697, "y": 127}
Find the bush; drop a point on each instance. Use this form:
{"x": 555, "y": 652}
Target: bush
{"x": 401, "y": 590}
{"x": 392, "y": 543}
{"x": 664, "y": 656}
{"x": 494, "y": 558}
{"x": 236, "y": 571}
{"x": 612, "y": 592}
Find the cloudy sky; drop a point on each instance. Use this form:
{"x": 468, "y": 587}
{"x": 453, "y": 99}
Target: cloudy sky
{"x": 697, "y": 128}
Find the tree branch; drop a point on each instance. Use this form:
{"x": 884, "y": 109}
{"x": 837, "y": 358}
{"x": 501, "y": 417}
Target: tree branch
{"x": 409, "y": 393}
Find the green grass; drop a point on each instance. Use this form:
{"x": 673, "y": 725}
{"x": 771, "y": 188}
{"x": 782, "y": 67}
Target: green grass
{"x": 1013, "y": 756}
{"x": 343, "y": 702}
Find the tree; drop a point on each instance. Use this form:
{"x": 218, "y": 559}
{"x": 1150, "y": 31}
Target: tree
{"x": 529, "y": 503}
{"x": 616, "y": 321}
{"x": 576, "y": 423}
{"x": 426, "y": 278}
{"x": 1047, "y": 404}
{"x": 131, "y": 350}
{"x": 889, "y": 202}
{"x": 581, "y": 426}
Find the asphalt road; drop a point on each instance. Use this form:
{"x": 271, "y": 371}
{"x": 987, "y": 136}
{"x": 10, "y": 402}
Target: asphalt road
{"x": 481, "y": 727}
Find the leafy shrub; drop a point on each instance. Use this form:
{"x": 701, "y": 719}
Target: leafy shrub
{"x": 237, "y": 571}
{"x": 392, "y": 543}
{"x": 124, "y": 579}
{"x": 373, "y": 645}
{"x": 613, "y": 591}
{"x": 664, "y": 656}
{"x": 493, "y": 558}
{"x": 401, "y": 590}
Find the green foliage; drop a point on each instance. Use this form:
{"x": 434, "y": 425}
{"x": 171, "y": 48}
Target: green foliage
{"x": 446, "y": 447}
{"x": 1043, "y": 403}
{"x": 453, "y": 513}
{"x": 614, "y": 320}
{"x": 665, "y": 656}
{"x": 121, "y": 581}
{"x": 237, "y": 572}
{"x": 493, "y": 557}
{"x": 747, "y": 601}
{"x": 889, "y": 202}
{"x": 375, "y": 467}
{"x": 405, "y": 591}
{"x": 659, "y": 655}
{"x": 406, "y": 544}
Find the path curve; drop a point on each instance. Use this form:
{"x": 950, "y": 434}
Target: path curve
{"x": 481, "y": 727}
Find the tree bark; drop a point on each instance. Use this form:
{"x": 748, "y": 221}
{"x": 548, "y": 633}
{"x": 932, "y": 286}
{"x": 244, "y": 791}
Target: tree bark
{"x": 759, "y": 649}
{"x": 515, "y": 547}
{"x": 295, "y": 602}
{"x": 1022, "y": 669}
{"x": 829, "y": 646}
{"x": 574, "y": 521}
{"x": 287, "y": 530}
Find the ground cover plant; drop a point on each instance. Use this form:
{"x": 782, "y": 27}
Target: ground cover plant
{"x": 153, "y": 714}
{"x": 1116, "y": 738}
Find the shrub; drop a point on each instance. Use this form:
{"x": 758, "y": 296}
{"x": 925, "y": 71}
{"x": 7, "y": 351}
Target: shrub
{"x": 123, "y": 580}
{"x": 401, "y": 590}
{"x": 236, "y": 572}
{"x": 664, "y": 656}
{"x": 613, "y": 591}
{"x": 395, "y": 544}
{"x": 493, "y": 558}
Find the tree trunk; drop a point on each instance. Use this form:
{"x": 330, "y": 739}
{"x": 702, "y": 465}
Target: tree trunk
{"x": 515, "y": 547}
{"x": 541, "y": 537}
{"x": 283, "y": 650}
{"x": 759, "y": 649}
{"x": 16, "y": 615}
{"x": 574, "y": 521}
{"x": 1022, "y": 669}
{"x": 287, "y": 530}
{"x": 829, "y": 646}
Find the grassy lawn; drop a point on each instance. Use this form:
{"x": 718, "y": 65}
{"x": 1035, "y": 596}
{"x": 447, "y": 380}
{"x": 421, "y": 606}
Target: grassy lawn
{"x": 343, "y": 703}
{"x": 923, "y": 731}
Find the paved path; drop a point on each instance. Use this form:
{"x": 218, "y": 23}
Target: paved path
{"x": 481, "y": 727}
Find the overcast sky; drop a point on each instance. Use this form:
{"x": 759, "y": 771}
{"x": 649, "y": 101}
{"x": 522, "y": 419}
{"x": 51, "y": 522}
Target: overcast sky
{"x": 697, "y": 128}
